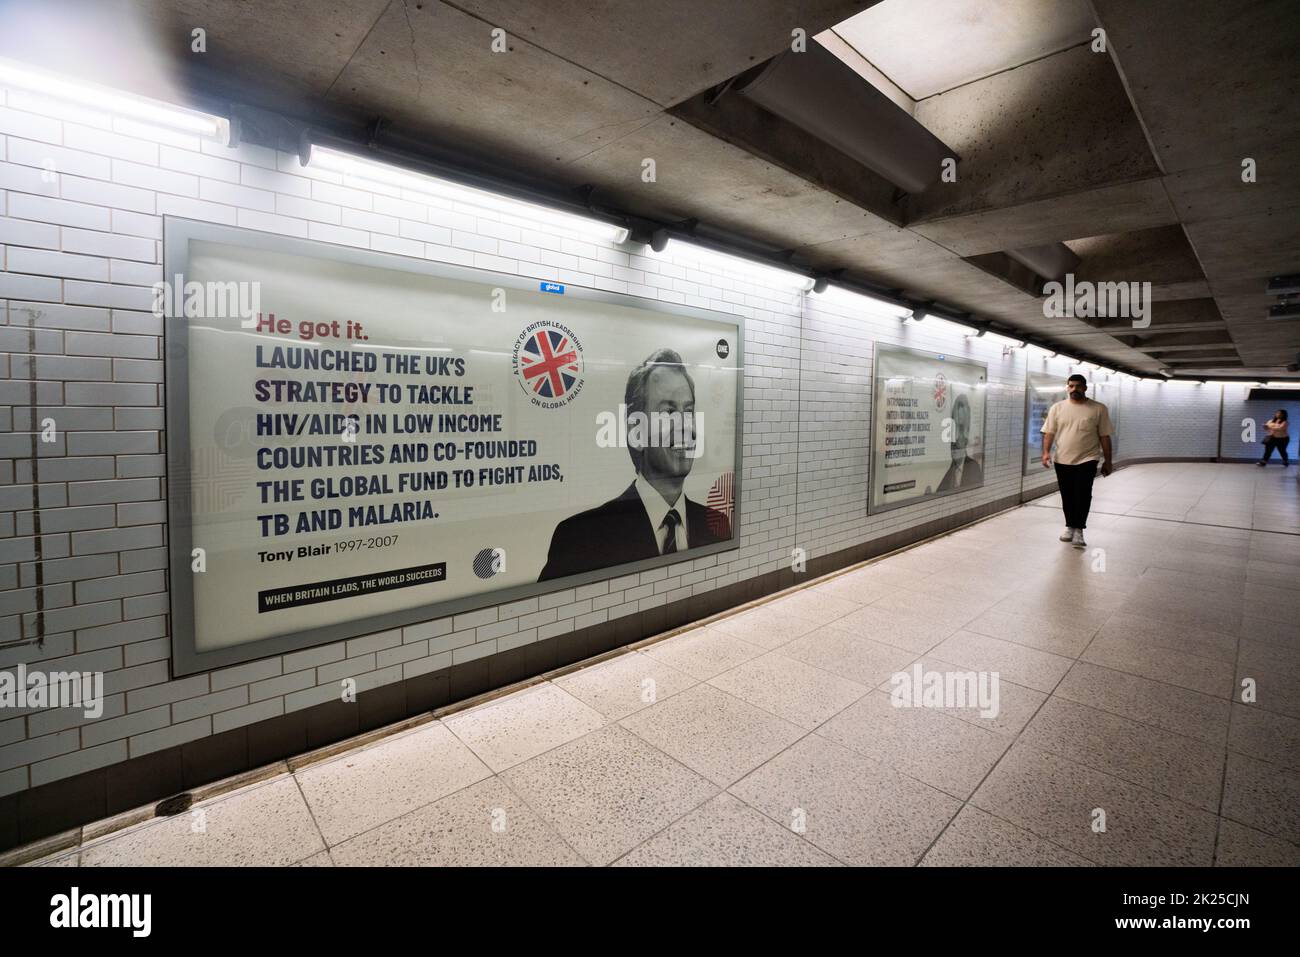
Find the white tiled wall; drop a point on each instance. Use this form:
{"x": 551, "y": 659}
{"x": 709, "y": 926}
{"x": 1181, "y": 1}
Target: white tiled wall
{"x": 1244, "y": 418}
{"x": 82, "y": 196}
{"x": 1170, "y": 419}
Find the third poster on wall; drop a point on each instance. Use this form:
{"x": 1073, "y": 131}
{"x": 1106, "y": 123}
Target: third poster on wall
{"x": 928, "y": 426}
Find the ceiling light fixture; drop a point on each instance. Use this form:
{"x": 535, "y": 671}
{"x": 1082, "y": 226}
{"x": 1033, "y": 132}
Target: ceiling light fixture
{"x": 20, "y": 76}
{"x": 758, "y": 272}
{"x": 873, "y": 306}
{"x": 359, "y": 170}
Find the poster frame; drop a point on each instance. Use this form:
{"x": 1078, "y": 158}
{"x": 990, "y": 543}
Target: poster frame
{"x": 186, "y": 659}
{"x": 1025, "y": 470}
{"x": 878, "y": 347}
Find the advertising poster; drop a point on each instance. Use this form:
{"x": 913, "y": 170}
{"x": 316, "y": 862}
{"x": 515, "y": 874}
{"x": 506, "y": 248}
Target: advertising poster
{"x": 381, "y": 443}
{"x": 927, "y": 426}
{"x": 1042, "y": 391}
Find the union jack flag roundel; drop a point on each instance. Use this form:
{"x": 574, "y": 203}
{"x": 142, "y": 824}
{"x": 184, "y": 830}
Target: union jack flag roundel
{"x": 549, "y": 364}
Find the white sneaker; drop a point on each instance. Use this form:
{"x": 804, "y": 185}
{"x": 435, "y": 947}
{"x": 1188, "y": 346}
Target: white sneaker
{"x": 1077, "y": 540}
{"x": 1067, "y": 535}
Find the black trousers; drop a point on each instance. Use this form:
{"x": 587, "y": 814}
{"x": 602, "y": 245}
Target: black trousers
{"x": 1280, "y": 445}
{"x": 1075, "y": 482}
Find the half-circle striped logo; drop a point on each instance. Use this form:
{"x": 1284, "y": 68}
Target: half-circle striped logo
{"x": 488, "y": 562}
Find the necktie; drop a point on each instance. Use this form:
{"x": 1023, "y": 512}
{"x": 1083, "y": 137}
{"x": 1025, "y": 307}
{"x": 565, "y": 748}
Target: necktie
{"x": 671, "y": 521}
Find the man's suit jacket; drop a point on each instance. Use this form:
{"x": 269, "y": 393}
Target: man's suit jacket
{"x": 972, "y": 474}
{"x": 619, "y": 531}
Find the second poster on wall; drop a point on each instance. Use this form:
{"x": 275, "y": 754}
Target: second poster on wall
{"x": 928, "y": 426}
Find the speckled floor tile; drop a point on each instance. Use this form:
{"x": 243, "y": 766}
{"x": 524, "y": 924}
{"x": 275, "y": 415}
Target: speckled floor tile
{"x": 942, "y": 751}
{"x": 607, "y": 792}
{"x": 1241, "y": 846}
{"x": 1171, "y": 666}
{"x": 322, "y": 859}
{"x": 266, "y": 825}
{"x": 366, "y": 787}
{"x": 1057, "y": 800}
{"x": 1060, "y": 638}
{"x": 768, "y": 626}
{"x": 935, "y": 604}
{"x": 713, "y": 733}
{"x": 522, "y": 725}
{"x": 854, "y": 587}
{"x": 625, "y": 684}
{"x": 849, "y": 656}
{"x": 702, "y": 653}
{"x": 1165, "y": 706}
{"x": 858, "y": 811}
{"x": 790, "y": 689}
{"x": 484, "y": 825}
{"x": 1275, "y": 670}
{"x": 1161, "y": 761}
{"x": 1161, "y": 633}
{"x": 1265, "y": 735}
{"x": 813, "y": 606}
{"x": 1271, "y": 631}
{"x": 1016, "y": 703}
{"x": 890, "y": 627}
{"x": 726, "y": 832}
{"x": 1210, "y": 613}
{"x": 976, "y": 838}
{"x": 1263, "y": 796}
{"x": 1013, "y": 662}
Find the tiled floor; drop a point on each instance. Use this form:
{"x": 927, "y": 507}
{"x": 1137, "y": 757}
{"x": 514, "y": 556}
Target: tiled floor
{"x": 770, "y": 737}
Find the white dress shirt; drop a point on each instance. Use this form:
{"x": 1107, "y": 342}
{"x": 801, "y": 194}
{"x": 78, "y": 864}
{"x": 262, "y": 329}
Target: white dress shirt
{"x": 658, "y": 509}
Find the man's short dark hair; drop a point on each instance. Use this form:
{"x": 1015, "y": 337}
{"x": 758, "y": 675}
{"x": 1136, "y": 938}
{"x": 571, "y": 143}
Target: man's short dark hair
{"x": 634, "y": 394}
{"x": 1077, "y": 378}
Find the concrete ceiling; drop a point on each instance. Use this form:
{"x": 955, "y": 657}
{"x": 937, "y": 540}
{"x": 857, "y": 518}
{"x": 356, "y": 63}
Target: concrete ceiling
{"x": 1131, "y": 156}
{"x": 930, "y": 46}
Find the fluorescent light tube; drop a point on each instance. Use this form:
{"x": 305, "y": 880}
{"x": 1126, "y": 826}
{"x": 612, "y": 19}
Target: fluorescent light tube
{"x": 20, "y": 76}
{"x": 873, "y": 306}
{"x": 759, "y": 272}
{"x": 359, "y": 170}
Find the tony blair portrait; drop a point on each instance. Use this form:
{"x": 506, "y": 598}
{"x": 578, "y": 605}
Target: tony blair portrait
{"x": 652, "y": 516}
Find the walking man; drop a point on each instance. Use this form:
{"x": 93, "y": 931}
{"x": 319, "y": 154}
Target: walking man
{"x": 1081, "y": 429}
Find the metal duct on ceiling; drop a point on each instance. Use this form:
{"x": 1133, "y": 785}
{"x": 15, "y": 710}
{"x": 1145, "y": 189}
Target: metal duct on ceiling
{"x": 822, "y": 96}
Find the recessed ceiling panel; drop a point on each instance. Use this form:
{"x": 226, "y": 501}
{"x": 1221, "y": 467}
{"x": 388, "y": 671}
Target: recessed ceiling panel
{"x": 929, "y": 46}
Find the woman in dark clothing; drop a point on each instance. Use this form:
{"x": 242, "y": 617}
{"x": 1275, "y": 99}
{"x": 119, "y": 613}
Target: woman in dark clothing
{"x": 1277, "y": 438}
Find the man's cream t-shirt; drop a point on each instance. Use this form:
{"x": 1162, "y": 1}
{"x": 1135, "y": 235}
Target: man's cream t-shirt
{"x": 1078, "y": 428}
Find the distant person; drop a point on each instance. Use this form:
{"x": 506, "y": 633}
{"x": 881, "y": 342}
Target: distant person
{"x": 965, "y": 472}
{"x": 1276, "y": 437}
{"x": 653, "y": 516}
{"x": 1081, "y": 429}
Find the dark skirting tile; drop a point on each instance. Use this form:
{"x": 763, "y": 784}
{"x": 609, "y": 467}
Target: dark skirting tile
{"x": 212, "y": 758}
{"x": 507, "y": 667}
{"x": 427, "y": 692}
{"x": 8, "y": 821}
{"x": 330, "y": 722}
{"x": 470, "y": 679}
{"x": 380, "y": 706}
{"x": 277, "y": 739}
{"x": 144, "y": 780}
{"x": 61, "y": 805}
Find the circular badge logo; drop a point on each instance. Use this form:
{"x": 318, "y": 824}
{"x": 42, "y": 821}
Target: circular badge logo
{"x": 940, "y": 391}
{"x": 547, "y": 362}
{"x": 724, "y": 348}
